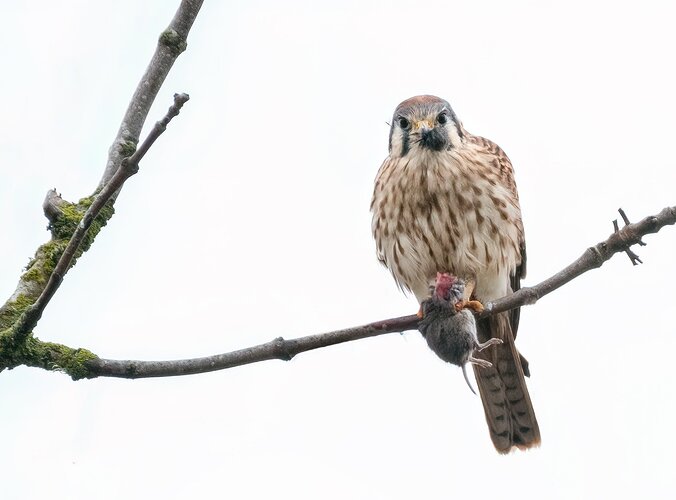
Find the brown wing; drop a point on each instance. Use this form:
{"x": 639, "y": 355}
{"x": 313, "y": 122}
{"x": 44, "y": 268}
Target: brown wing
{"x": 500, "y": 161}
{"x": 516, "y": 278}
{"x": 507, "y": 405}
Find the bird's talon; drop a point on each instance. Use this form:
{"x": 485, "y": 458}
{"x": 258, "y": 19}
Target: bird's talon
{"x": 475, "y": 306}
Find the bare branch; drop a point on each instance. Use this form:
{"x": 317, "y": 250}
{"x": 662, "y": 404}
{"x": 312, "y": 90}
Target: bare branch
{"x": 172, "y": 42}
{"x": 275, "y": 349}
{"x": 159, "y": 128}
{"x": 592, "y": 258}
{"x": 627, "y": 222}
{"x": 279, "y": 348}
{"x": 633, "y": 258}
{"x": 129, "y": 167}
{"x": 65, "y": 216}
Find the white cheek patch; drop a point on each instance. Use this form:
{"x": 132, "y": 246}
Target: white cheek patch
{"x": 397, "y": 143}
{"x": 454, "y": 136}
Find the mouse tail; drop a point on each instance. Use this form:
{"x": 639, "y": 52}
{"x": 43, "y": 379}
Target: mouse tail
{"x": 464, "y": 372}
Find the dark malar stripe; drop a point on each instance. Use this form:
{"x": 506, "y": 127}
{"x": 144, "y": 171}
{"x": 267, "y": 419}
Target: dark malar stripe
{"x": 405, "y": 143}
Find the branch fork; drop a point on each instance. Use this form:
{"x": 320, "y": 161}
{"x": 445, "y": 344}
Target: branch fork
{"x": 21, "y": 313}
{"x": 72, "y": 224}
{"x": 635, "y": 260}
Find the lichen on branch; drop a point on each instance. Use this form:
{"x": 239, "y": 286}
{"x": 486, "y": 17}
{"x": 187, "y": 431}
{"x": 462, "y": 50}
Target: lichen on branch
{"x": 63, "y": 223}
{"x": 74, "y": 226}
{"x": 51, "y": 356}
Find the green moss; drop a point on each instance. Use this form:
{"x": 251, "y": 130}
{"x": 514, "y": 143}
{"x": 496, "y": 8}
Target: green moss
{"x": 106, "y": 212}
{"x": 127, "y": 148}
{"x": 47, "y": 355}
{"x": 175, "y": 42}
{"x": 34, "y": 274}
{"x": 66, "y": 223}
{"x": 71, "y": 361}
{"x": 26, "y": 349}
{"x": 50, "y": 253}
{"x": 87, "y": 201}
{"x": 13, "y": 309}
{"x": 42, "y": 265}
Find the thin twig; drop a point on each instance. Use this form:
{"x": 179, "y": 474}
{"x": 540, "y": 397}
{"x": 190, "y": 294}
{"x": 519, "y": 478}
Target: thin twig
{"x": 279, "y": 348}
{"x": 172, "y": 42}
{"x": 627, "y": 222}
{"x": 159, "y": 128}
{"x": 129, "y": 167}
{"x": 592, "y": 258}
{"x": 635, "y": 259}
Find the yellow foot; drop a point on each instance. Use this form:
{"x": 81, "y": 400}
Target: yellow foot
{"x": 473, "y": 305}
{"x": 420, "y": 313}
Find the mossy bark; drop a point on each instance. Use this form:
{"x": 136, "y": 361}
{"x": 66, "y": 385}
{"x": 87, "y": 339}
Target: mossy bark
{"x": 31, "y": 351}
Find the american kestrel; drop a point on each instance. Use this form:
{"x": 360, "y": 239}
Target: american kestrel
{"x": 445, "y": 201}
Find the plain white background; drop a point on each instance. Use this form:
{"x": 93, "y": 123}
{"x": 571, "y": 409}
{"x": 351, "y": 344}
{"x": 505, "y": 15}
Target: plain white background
{"x": 249, "y": 220}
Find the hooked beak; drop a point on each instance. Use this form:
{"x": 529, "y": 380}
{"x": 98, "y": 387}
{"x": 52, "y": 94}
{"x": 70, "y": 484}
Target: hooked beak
{"x": 422, "y": 126}
{"x": 431, "y": 137}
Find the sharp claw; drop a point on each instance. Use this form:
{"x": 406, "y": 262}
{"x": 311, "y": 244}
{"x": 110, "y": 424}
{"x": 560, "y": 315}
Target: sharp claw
{"x": 473, "y": 305}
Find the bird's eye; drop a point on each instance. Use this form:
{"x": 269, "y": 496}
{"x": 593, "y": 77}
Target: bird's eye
{"x": 403, "y": 122}
{"x": 442, "y": 118}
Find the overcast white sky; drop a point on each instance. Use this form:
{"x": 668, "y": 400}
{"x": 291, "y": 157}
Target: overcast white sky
{"x": 249, "y": 220}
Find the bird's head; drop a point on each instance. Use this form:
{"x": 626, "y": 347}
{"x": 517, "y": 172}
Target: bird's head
{"x": 424, "y": 123}
{"x": 448, "y": 288}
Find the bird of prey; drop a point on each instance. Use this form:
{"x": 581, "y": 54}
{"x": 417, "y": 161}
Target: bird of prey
{"x": 446, "y": 201}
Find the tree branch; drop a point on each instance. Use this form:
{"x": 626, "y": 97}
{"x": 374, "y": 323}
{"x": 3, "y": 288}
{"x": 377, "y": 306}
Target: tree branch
{"x": 20, "y": 313}
{"x": 592, "y": 258}
{"x": 74, "y": 227}
{"x": 172, "y": 42}
{"x": 282, "y": 349}
{"x": 129, "y": 167}
{"x": 278, "y": 348}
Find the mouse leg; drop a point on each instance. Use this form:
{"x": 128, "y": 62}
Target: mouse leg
{"x": 480, "y": 362}
{"x": 488, "y": 343}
